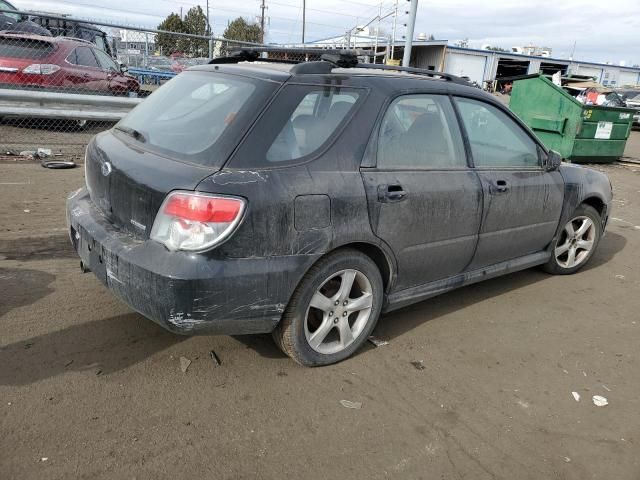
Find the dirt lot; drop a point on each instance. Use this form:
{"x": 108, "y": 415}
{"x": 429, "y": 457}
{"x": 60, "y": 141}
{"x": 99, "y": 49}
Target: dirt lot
{"x": 89, "y": 389}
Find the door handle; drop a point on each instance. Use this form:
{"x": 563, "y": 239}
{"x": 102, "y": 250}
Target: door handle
{"x": 391, "y": 193}
{"x": 498, "y": 188}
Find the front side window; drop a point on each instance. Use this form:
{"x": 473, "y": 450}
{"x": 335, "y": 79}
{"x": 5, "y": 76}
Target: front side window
{"x": 496, "y": 140}
{"x": 418, "y": 132}
{"x": 315, "y": 117}
{"x": 106, "y": 62}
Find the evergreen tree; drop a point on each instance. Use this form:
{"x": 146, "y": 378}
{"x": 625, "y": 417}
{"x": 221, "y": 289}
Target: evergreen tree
{"x": 195, "y": 23}
{"x": 168, "y": 43}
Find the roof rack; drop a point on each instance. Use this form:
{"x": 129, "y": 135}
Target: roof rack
{"x": 417, "y": 71}
{"x": 329, "y": 59}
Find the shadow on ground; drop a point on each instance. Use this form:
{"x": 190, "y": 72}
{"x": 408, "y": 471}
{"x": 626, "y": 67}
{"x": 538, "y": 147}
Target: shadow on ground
{"x": 37, "y": 248}
{"x": 101, "y": 346}
{"x": 22, "y": 286}
{"x": 398, "y": 323}
{"x": 115, "y": 343}
{"x": 391, "y": 326}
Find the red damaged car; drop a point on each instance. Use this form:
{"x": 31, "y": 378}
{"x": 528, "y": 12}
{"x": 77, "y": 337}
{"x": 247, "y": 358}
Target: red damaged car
{"x": 61, "y": 63}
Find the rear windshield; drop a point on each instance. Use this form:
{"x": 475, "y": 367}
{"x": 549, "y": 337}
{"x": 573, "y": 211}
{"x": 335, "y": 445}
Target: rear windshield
{"x": 24, "y": 48}
{"x": 198, "y": 116}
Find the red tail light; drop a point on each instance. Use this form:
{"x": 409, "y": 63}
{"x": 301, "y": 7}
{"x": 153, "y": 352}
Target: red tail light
{"x": 202, "y": 209}
{"x": 196, "y": 221}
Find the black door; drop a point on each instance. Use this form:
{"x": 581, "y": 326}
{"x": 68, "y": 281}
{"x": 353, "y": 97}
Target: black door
{"x": 523, "y": 201}
{"x": 424, "y": 201}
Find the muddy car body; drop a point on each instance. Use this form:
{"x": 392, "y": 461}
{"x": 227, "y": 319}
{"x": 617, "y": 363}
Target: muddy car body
{"x": 326, "y": 167}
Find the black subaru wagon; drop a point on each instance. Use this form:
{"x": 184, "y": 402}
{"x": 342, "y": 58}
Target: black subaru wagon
{"x": 305, "y": 200}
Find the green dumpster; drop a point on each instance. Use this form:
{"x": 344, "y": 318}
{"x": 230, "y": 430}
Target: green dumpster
{"x": 580, "y": 133}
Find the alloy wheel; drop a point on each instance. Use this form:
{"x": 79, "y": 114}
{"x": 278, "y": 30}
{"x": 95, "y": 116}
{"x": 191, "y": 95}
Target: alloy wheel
{"x": 576, "y": 242}
{"x": 338, "y": 312}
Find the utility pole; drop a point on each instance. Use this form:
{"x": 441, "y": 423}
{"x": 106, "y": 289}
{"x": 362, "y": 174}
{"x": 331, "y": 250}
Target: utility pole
{"x": 304, "y": 17}
{"x": 262, "y": 7}
{"x": 208, "y": 24}
{"x": 393, "y": 33}
{"x": 406, "y": 58}
{"x": 375, "y": 48}
{"x": 208, "y": 31}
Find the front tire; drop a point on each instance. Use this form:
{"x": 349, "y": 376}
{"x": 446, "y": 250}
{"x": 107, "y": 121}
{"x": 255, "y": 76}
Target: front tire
{"x": 333, "y": 310}
{"x": 577, "y": 242}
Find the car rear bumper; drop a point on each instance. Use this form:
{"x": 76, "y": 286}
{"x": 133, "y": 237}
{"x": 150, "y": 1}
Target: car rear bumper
{"x": 184, "y": 293}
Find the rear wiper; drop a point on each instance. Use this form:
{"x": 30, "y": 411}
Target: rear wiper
{"x": 132, "y": 132}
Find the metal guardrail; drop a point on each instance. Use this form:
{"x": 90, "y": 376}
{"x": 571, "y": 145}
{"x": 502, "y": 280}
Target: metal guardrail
{"x": 146, "y": 76}
{"x": 66, "y": 106}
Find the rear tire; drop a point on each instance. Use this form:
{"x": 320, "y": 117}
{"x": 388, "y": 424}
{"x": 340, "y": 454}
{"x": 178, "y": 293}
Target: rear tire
{"x": 333, "y": 310}
{"x": 577, "y": 242}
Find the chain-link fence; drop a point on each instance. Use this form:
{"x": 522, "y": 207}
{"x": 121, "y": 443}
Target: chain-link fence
{"x": 62, "y": 79}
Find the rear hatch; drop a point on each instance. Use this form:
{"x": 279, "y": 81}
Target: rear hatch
{"x": 182, "y": 133}
{"x": 17, "y": 53}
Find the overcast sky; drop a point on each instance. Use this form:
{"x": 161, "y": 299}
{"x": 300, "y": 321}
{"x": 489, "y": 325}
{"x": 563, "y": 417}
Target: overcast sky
{"x": 602, "y": 31}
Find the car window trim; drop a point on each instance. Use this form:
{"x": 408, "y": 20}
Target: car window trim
{"x": 540, "y": 148}
{"x": 370, "y": 159}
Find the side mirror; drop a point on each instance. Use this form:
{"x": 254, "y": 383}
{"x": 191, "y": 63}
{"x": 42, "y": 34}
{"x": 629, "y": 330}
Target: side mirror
{"x": 554, "y": 160}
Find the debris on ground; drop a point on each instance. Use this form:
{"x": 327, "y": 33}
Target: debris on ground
{"x": 600, "y": 401}
{"x": 576, "y": 396}
{"x": 377, "y": 341}
{"x": 215, "y": 358}
{"x": 184, "y": 364}
{"x": 43, "y": 152}
{"x": 620, "y": 277}
{"x": 44, "y": 459}
{"x": 58, "y": 164}
{"x": 606, "y": 388}
{"x": 418, "y": 365}
{"x": 349, "y": 404}
{"x": 26, "y": 210}
{"x": 567, "y": 459}
{"x": 68, "y": 363}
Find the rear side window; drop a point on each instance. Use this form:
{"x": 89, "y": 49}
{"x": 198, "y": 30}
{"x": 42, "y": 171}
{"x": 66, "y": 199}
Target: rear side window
{"x": 84, "y": 57}
{"x": 418, "y": 132}
{"x": 198, "y": 116}
{"x": 496, "y": 140}
{"x": 299, "y": 123}
{"x": 24, "y": 48}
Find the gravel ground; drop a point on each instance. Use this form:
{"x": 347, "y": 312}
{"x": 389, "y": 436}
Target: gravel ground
{"x": 89, "y": 389}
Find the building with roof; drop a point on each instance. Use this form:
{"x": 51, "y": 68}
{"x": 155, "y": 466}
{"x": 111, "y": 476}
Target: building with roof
{"x": 479, "y": 65}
